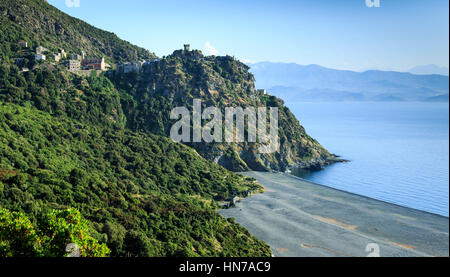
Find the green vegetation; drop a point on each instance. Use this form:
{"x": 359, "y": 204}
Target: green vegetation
{"x": 142, "y": 194}
{"x": 64, "y": 144}
{"x": 149, "y": 96}
{"x": 55, "y": 230}
{"x": 86, "y": 159}
{"x": 39, "y": 23}
{"x": 53, "y": 90}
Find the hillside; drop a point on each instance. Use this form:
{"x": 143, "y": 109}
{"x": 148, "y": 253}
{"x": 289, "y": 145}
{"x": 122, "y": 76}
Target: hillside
{"x": 220, "y": 82}
{"x": 65, "y": 147}
{"x": 39, "y": 23}
{"x": 295, "y": 82}
{"x": 225, "y": 81}
{"x": 142, "y": 195}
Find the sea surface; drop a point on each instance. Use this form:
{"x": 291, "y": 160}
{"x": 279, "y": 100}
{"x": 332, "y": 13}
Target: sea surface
{"x": 399, "y": 151}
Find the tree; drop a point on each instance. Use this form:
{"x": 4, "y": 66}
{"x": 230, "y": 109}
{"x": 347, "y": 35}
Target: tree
{"x": 55, "y": 231}
{"x": 116, "y": 235}
{"x": 17, "y": 235}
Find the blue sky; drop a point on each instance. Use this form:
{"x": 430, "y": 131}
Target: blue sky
{"x": 345, "y": 34}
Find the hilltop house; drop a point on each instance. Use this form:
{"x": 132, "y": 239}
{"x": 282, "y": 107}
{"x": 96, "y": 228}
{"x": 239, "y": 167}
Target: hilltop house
{"x": 77, "y": 57}
{"x": 23, "y": 44}
{"x": 73, "y": 65}
{"x": 97, "y": 64}
{"x": 262, "y": 91}
{"x": 40, "y": 50}
{"x": 40, "y": 57}
{"x": 62, "y": 53}
{"x": 155, "y": 60}
{"x": 56, "y": 57}
{"x": 187, "y": 52}
{"x": 129, "y": 67}
{"x": 151, "y": 63}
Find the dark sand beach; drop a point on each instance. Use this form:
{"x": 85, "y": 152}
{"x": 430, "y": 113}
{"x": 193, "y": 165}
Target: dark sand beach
{"x": 298, "y": 218}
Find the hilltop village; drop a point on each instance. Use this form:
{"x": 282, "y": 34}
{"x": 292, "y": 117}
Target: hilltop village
{"x": 80, "y": 64}
{"x": 77, "y": 63}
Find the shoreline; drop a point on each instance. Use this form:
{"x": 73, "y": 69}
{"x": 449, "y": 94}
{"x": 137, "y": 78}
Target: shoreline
{"x": 316, "y": 164}
{"x": 360, "y": 195}
{"x": 300, "y": 218}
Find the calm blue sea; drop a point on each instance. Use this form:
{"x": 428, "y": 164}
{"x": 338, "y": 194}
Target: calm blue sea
{"x": 399, "y": 151}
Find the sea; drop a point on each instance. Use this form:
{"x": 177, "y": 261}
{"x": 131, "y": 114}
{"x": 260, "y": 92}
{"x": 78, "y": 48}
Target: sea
{"x": 398, "y": 151}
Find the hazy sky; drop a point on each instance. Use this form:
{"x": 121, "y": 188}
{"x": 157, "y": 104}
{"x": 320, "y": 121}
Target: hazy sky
{"x": 345, "y": 34}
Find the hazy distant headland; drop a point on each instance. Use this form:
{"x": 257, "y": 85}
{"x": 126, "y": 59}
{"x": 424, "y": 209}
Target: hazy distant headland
{"x": 429, "y": 69}
{"x": 294, "y": 82}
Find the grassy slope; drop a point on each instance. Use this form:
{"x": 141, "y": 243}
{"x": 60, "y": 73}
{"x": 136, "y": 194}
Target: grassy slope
{"x": 142, "y": 194}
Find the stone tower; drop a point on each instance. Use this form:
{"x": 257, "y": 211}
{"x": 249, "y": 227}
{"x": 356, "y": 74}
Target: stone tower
{"x": 187, "y": 47}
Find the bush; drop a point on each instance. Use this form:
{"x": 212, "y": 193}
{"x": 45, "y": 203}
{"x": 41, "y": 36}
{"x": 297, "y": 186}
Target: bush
{"x": 50, "y": 238}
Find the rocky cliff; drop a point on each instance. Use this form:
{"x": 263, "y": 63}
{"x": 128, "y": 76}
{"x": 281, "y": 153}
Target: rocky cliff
{"x": 220, "y": 82}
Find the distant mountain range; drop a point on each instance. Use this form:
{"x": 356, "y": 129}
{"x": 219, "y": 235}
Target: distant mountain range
{"x": 294, "y": 82}
{"x": 429, "y": 69}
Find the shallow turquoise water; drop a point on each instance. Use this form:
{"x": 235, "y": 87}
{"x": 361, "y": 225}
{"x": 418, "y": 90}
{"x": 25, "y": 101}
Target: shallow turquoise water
{"x": 399, "y": 152}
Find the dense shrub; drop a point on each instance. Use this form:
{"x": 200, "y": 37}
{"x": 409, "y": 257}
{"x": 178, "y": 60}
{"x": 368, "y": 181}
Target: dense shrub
{"x": 53, "y": 233}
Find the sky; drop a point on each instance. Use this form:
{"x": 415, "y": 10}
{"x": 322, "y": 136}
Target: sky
{"x": 341, "y": 34}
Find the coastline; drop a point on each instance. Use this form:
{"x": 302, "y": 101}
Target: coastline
{"x": 316, "y": 164}
{"x": 300, "y": 218}
{"x": 360, "y": 195}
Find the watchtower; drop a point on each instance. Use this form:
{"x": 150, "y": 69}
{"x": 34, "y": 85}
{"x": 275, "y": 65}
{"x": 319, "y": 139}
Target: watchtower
{"x": 187, "y": 47}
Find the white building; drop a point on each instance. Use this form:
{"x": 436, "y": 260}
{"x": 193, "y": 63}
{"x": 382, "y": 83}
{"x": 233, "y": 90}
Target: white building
{"x": 56, "y": 57}
{"x": 23, "y": 44}
{"x": 129, "y": 67}
{"x": 262, "y": 91}
{"x": 73, "y": 65}
{"x": 77, "y": 57}
{"x": 40, "y": 57}
{"x": 40, "y": 50}
{"x": 148, "y": 62}
{"x": 62, "y": 53}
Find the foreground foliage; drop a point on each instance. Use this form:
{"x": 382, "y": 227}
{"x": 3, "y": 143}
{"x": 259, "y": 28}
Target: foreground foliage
{"x": 54, "y": 231}
{"x": 142, "y": 194}
{"x": 63, "y": 143}
{"x": 98, "y": 145}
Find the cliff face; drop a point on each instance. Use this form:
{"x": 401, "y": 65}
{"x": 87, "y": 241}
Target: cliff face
{"x": 220, "y": 82}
